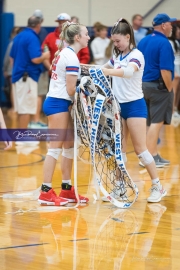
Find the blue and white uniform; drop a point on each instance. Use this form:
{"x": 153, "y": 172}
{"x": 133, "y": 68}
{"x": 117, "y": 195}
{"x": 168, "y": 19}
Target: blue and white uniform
{"x": 128, "y": 91}
{"x": 58, "y": 99}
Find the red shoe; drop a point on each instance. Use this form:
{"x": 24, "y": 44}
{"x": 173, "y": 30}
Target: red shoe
{"x": 71, "y": 197}
{"x": 50, "y": 198}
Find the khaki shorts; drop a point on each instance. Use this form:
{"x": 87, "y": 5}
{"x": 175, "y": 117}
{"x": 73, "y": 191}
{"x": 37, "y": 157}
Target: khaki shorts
{"x": 43, "y": 83}
{"x": 25, "y": 96}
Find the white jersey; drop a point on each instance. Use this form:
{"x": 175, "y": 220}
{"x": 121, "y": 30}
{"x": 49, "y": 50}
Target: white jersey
{"x": 98, "y": 47}
{"x": 128, "y": 89}
{"x": 66, "y": 63}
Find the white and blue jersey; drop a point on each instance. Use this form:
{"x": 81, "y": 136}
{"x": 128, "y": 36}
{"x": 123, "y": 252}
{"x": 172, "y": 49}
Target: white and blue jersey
{"x": 65, "y": 63}
{"x": 128, "y": 89}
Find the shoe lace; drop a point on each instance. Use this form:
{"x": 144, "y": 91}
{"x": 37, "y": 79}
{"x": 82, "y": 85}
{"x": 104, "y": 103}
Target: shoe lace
{"x": 154, "y": 189}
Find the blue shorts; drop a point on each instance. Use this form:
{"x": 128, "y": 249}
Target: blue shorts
{"x": 136, "y": 108}
{"x": 53, "y": 105}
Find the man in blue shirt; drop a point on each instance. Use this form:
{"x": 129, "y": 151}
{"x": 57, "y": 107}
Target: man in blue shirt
{"x": 43, "y": 79}
{"x": 27, "y": 58}
{"x": 139, "y": 31}
{"x": 157, "y": 80}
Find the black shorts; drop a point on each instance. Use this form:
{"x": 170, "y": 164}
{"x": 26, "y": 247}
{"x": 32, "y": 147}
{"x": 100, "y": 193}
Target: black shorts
{"x": 159, "y": 103}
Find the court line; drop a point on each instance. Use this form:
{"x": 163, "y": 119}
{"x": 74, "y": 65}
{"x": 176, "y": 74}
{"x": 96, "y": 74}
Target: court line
{"x": 137, "y": 233}
{"x": 27, "y": 164}
{"x": 30, "y": 245}
{"x": 83, "y": 239}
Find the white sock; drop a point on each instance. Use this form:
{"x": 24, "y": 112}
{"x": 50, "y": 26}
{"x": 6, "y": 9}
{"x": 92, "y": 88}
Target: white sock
{"x": 48, "y": 184}
{"x": 67, "y": 181}
{"x": 156, "y": 182}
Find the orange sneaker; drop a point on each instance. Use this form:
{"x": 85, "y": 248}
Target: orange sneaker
{"x": 69, "y": 194}
{"x": 50, "y": 198}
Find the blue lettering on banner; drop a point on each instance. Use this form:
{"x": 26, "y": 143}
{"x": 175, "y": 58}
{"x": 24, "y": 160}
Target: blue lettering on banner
{"x": 93, "y": 134}
{"x": 118, "y": 147}
{"x": 126, "y": 205}
{"x": 97, "y": 111}
{"x": 109, "y": 122}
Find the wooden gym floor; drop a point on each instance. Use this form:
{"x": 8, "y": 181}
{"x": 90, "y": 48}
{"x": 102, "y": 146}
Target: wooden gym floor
{"x": 97, "y": 236}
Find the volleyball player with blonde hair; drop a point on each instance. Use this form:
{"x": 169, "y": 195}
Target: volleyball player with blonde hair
{"x": 126, "y": 68}
{"x": 65, "y": 71}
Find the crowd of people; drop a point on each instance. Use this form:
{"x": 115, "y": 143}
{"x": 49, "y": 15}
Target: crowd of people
{"x": 145, "y": 70}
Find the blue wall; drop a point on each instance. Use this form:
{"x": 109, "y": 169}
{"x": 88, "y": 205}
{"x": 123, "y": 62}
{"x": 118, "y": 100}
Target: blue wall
{"x": 6, "y": 25}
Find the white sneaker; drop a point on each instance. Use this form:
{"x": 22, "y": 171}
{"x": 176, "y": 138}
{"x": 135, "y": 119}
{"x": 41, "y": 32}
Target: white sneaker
{"x": 116, "y": 194}
{"x": 175, "y": 121}
{"x": 156, "y": 193}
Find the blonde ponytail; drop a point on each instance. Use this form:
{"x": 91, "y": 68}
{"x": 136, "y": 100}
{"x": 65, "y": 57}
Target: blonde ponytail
{"x": 69, "y": 31}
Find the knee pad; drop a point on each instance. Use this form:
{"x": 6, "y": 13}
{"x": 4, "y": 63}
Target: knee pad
{"x": 68, "y": 153}
{"x": 124, "y": 157}
{"x": 146, "y": 158}
{"x": 54, "y": 152}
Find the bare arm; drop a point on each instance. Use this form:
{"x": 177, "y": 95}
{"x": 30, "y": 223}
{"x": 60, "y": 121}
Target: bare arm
{"x": 71, "y": 84}
{"x": 3, "y": 126}
{"x": 167, "y": 78}
{"x": 47, "y": 64}
{"x": 2, "y": 122}
{"x": 44, "y": 56}
{"x": 117, "y": 72}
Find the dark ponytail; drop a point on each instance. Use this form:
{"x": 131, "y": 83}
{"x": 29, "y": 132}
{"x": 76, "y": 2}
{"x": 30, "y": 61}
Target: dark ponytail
{"x": 123, "y": 27}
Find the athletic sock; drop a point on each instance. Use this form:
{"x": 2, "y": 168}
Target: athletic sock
{"x": 156, "y": 182}
{"x": 66, "y": 186}
{"x": 66, "y": 181}
{"x": 46, "y": 187}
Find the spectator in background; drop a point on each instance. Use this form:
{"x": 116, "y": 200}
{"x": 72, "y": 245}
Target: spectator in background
{"x": 3, "y": 126}
{"x": 157, "y": 81}
{"x": 74, "y": 19}
{"x": 27, "y": 58}
{"x": 99, "y": 45}
{"x": 139, "y": 32}
{"x": 83, "y": 55}
{"x": 95, "y": 25}
{"x": 7, "y": 69}
{"x": 43, "y": 79}
{"x": 52, "y": 40}
{"x": 176, "y": 49}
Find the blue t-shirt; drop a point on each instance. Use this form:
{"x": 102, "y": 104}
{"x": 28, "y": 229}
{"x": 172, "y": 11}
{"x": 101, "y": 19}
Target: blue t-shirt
{"x": 139, "y": 34}
{"x": 158, "y": 55}
{"x": 26, "y": 46}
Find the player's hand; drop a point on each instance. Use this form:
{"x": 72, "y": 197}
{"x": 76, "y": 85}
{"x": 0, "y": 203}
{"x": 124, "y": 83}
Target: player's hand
{"x": 4, "y": 136}
{"x": 8, "y": 145}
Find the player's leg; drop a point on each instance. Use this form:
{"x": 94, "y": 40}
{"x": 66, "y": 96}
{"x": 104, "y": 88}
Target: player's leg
{"x": 68, "y": 191}
{"x": 58, "y": 118}
{"x": 137, "y": 129}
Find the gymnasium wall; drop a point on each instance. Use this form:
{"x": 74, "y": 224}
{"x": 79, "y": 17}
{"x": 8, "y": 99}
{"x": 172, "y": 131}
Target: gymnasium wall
{"x": 90, "y": 11}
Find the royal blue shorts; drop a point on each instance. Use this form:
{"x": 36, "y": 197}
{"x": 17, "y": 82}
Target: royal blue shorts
{"x": 55, "y": 105}
{"x": 136, "y": 108}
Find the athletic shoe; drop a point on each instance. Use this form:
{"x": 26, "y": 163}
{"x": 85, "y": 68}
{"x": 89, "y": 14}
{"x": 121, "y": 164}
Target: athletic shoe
{"x": 156, "y": 193}
{"x": 116, "y": 194}
{"x": 175, "y": 121}
{"x": 69, "y": 194}
{"x": 162, "y": 160}
{"x": 50, "y": 198}
{"x": 37, "y": 125}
